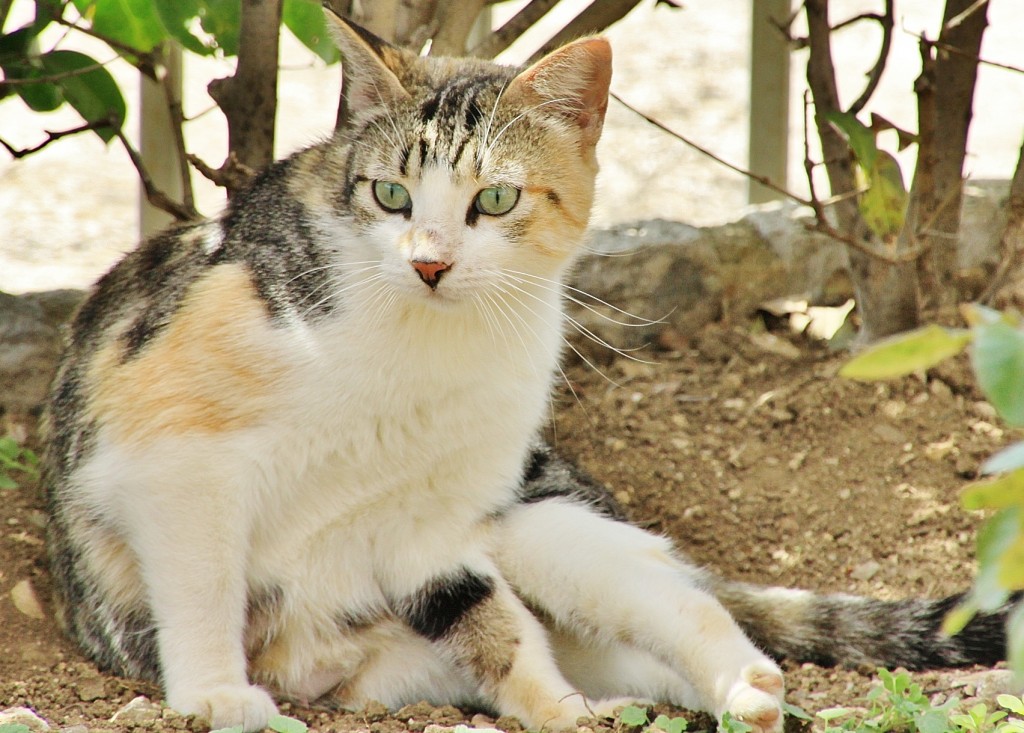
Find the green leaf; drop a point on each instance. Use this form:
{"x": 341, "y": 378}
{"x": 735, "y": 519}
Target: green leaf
{"x": 859, "y": 136}
{"x": 1008, "y": 459}
{"x": 633, "y": 716}
{"x": 997, "y": 493}
{"x": 958, "y": 618}
{"x": 795, "y": 711}
{"x": 996, "y": 535}
{"x": 884, "y": 204}
{"x": 41, "y": 97}
{"x": 670, "y": 725}
{"x": 177, "y": 16}
{"x": 933, "y": 721}
{"x": 906, "y": 353}
{"x": 1012, "y": 703}
{"x": 1011, "y": 565}
{"x": 222, "y": 19}
{"x": 730, "y": 724}
{"x": 284, "y": 724}
{"x": 833, "y": 713}
{"x": 1015, "y": 639}
{"x": 94, "y": 94}
{"x": 134, "y": 23}
{"x": 305, "y": 19}
{"x": 998, "y": 360}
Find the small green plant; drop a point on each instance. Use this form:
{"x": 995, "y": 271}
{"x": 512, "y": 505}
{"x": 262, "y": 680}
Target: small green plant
{"x": 15, "y": 459}
{"x": 896, "y": 704}
{"x": 633, "y": 716}
{"x": 996, "y": 343}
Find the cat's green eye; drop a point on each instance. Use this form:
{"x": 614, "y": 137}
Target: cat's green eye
{"x": 392, "y": 197}
{"x": 496, "y": 200}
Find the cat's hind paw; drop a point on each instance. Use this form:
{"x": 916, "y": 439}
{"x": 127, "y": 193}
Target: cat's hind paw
{"x": 756, "y": 699}
{"x": 226, "y": 706}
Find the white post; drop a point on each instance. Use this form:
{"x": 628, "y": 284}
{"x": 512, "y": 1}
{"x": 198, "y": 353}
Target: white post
{"x": 156, "y": 143}
{"x": 769, "y": 98}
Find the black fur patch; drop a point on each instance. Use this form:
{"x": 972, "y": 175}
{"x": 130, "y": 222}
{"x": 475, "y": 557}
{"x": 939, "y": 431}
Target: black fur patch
{"x": 546, "y": 476}
{"x": 443, "y": 602}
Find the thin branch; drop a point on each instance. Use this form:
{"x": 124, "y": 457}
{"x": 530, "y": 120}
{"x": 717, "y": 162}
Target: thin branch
{"x": 153, "y": 194}
{"x": 143, "y": 60}
{"x": 50, "y": 78}
{"x": 514, "y": 27}
{"x": 821, "y": 222}
{"x": 960, "y": 52}
{"x": 887, "y": 22}
{"x": 52, "y": 137}
{"x": 177, "y": 115}
{"x": 592, "y": 19}
{"x": 232, "y": 175}
{"x": 763, "y": 180}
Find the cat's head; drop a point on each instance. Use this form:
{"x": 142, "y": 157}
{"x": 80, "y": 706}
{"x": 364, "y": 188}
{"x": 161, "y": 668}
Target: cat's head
{"x": 461, "y": 172}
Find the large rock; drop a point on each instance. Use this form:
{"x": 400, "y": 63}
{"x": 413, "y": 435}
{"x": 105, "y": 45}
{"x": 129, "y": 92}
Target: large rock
{"x": 30, "y": 344}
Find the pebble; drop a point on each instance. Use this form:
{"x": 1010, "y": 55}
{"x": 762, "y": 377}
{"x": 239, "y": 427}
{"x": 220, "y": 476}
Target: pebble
{"x": 25, "y": 599}
{"x": 25, "y": 717}
{"x": 91, "y": 688}
{"x": 866, "y": 570}
{"x": 140, "y": 710}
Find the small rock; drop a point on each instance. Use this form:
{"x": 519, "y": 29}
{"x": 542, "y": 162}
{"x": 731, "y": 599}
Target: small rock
{"x": 91, "y": 688}
{"x": 990, "y": 683}
{"x": 140, "y": 710}
{"x": 375, "y": 711}
{"x": 775, "y": 345}
{"x": 25, "y": 717}
{"x": 25, "y": 599}
{"x": 865, "y": 571}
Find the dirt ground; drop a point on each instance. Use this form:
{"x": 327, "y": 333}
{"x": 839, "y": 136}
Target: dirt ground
{"x": 743, "y": 446}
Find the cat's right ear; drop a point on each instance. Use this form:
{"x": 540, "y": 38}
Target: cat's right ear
{"x": 369, "y": 65}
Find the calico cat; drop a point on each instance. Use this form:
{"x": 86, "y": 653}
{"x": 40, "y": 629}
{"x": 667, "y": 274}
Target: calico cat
{"x": 294, "y": 449}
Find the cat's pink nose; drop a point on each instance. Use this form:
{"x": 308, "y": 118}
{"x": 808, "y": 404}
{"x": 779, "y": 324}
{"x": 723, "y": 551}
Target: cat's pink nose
{"x": 430, "y": 271}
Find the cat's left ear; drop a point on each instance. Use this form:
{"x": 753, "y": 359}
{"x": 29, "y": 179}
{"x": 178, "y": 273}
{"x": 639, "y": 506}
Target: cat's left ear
{"x": 572, "y": 82}
{"x": 370, "y": 65}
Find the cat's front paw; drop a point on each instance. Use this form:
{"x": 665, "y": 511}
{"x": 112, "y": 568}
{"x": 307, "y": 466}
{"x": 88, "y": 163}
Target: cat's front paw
{"x": 756, "y": 698}
{"x": 225, "y": 706}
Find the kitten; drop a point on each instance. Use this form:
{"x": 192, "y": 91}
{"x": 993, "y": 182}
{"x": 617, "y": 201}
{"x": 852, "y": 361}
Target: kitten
{"x": 295, "y": 449}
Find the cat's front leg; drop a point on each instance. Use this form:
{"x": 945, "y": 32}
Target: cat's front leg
{"x": 188, "y": 530}
{"x": 612, "y": 583}
{"x": 474, "y": 619}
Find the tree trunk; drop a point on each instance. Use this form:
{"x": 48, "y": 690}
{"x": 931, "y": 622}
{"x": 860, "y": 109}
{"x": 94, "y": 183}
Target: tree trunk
{"x": 249, "y": 98}
{"x": 945, "y": 92}
{"x": 886, "y": 293}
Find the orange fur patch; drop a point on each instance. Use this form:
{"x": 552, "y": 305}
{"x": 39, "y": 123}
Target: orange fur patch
{"x": 204, "y": 373}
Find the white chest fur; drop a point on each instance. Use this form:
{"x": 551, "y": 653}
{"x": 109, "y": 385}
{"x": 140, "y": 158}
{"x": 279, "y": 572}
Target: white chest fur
{"x": 398, "y": 435}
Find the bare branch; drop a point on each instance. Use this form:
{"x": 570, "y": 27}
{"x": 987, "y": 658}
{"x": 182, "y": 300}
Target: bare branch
{"x": 51, "y": 78}
{"x": 763, "y": 180}
{"x": 592, "y": 19}
{"x": 52, "y": 137}
{"x": 144, "y": 61}
{"x": 232, "y": 175}
{"x": 504, "y": 36}
{"x": 153, "y": 194}
{"x": 177, "y": 115}
{"x": 875, "y": 75}
{"x": 956, "y": 50}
